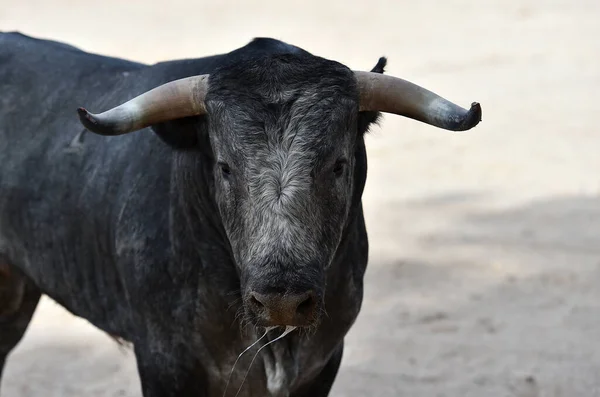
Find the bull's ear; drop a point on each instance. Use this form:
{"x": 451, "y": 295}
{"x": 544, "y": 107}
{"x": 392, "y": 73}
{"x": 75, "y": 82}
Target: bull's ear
{"x": 380, "y": 66}
{"x": 181, "y": 133}
{"x": 366, "y": 119}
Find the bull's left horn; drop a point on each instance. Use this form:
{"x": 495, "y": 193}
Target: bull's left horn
{"x": 173, "y": 100}
{"x": 389, "y": 94}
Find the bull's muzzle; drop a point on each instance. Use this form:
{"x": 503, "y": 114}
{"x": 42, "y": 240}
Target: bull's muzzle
{"x": 287, "y": 309}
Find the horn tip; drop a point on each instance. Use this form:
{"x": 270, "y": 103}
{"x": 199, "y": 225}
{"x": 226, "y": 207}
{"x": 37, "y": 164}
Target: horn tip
{"x": 472, "y": 118}
{"x": 92, "y": 123}
{"x": 87, "y": 119}
{"x": 82, "y": 112}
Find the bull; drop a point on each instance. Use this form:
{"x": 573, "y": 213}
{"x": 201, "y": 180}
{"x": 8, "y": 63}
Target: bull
{"x": 233, "y": 215}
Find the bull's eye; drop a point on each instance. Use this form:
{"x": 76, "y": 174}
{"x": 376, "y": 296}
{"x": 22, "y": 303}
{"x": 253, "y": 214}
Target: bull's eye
{"x": 225, "y": 170}
{"x": 339, "y": 167}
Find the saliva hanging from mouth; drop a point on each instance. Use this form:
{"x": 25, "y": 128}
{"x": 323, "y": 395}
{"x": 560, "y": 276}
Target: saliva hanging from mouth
{"x": 288, "y": 329}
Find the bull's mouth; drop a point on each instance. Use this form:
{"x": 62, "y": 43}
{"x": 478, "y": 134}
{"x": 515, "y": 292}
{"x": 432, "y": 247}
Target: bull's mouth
{"x": 280, "y": 354}
{"x": 283, "y": 310}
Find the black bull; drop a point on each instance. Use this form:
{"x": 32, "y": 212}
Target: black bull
{"x": 191, "y": 237}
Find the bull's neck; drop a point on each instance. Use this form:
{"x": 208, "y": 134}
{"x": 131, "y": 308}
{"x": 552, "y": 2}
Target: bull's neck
{"x": 200, "y": 244}
{"x": 192, "y": 195}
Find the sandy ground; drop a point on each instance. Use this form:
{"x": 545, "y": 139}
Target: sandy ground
{"x": 485, "y": 261}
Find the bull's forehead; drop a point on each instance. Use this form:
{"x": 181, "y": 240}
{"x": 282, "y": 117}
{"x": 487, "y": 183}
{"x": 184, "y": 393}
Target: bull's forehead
{"x": 308, "y": 119}
{"x": 283, "y": 100}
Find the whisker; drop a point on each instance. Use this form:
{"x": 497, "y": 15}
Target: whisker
{"x": 324, "y": 312}
{"x": 234, "y": 303}
{"x": 238, "y": 315}
{"x": 245, "y": 322}
{"x": 288, "y": 329}
{"x": 240, "y": 356}
{"x": 233, "y": 292}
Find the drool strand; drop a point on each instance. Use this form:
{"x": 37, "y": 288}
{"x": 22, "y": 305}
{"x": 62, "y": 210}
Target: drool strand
{"x": 241, "y": 354}
{"x": 288, "y": 329}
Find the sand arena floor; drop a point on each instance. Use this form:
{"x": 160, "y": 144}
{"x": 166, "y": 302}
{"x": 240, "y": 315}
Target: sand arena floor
{"x": 484, "y": 277}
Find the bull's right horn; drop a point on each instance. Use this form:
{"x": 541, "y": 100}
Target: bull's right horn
{"x": 173, "y": 100}
{"x": 389, "y": 94}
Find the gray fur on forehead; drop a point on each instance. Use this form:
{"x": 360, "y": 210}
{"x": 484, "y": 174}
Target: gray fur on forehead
{"x": 277, "y": 79}
{"x": 299, "y": 100}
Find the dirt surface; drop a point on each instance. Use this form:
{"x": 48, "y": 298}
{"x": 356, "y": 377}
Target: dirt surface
{"x": 484, "y": 277}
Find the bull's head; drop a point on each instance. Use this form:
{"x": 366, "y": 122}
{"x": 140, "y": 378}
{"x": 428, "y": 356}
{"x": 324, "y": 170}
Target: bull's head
{"x": 285, "y": 135}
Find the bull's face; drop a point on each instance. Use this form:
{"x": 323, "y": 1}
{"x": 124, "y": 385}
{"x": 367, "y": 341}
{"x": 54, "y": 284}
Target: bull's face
{"x": 284, "y": 148}
{"x": 289, "y": 162}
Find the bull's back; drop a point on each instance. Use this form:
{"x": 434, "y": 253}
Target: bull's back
{"x": 45, "y": 157}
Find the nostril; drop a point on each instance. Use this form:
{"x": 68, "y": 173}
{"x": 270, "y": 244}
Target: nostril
{"x": 255, "y": 301}
{"x": 306, "y": 306}
{"x": 283, "y": 309}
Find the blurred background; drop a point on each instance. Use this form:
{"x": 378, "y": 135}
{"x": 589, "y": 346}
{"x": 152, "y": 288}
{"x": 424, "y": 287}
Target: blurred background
{"x": 484, "y": 277}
